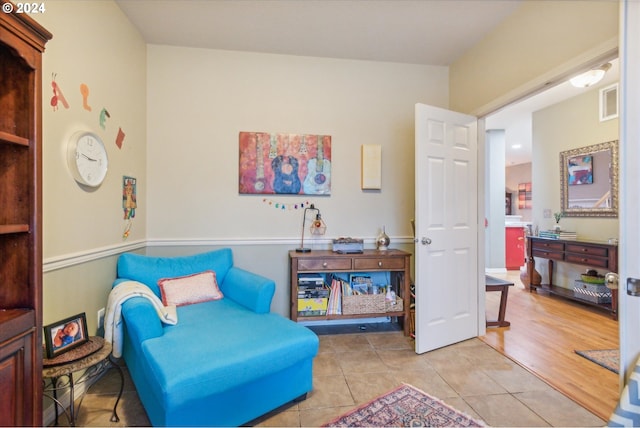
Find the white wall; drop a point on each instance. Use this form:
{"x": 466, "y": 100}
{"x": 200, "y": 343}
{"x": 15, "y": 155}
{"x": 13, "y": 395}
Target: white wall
{"x": 494, "y": 201}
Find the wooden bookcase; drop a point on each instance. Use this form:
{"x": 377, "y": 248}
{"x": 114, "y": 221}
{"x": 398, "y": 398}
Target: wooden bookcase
{"x": 397, "y": 263}
{"x": 22, "y": 42}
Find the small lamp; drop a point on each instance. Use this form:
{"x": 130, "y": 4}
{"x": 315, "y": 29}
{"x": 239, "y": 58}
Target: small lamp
{"x": 318, "y": 227}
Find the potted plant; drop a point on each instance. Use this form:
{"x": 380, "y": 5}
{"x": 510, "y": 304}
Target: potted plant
{"x": 558, "y": 216}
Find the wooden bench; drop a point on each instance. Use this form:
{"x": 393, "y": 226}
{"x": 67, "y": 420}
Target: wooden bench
{"x": 496, "y": 284}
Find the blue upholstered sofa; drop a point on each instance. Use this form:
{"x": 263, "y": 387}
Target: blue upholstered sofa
{"x": 226, "y": 362}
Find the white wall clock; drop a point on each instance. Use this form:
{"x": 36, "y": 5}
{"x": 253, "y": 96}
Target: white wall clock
{"x": 87, "y": 158}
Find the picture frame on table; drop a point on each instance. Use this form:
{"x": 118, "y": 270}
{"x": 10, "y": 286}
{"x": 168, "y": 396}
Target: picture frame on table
{"x": 64, "y": 335}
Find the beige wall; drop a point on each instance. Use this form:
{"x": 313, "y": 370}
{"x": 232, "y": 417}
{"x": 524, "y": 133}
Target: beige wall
{"x": 571, "y": 124}
{"x": 94, "y": 44}
{"x": 541, "y": 41}
{"x": 198, "y": 102}
{"x": 182, "y": 109}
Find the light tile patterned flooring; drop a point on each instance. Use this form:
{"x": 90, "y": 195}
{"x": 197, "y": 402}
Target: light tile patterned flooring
{"x": 352, "y": 369}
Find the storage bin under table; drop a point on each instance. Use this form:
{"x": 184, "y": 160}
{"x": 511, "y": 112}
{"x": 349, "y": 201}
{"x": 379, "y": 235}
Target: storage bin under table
{"x": 596, "y": 293}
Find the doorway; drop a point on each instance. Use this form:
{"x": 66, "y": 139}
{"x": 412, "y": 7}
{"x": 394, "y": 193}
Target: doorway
{"x": 545, "y": 201}
{"x": 535, "y": 197}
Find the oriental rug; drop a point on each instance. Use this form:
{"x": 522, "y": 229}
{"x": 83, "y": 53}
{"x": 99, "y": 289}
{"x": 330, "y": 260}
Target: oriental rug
{"x": 607, "y": 358}
{"x": 405, "y": 406}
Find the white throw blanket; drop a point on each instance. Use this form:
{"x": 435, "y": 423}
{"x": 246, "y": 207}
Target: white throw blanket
{"x": 113, "y": 316}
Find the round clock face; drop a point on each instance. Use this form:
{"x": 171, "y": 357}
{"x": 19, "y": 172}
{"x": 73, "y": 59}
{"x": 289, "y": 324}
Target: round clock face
{"x": 87, "y": 159}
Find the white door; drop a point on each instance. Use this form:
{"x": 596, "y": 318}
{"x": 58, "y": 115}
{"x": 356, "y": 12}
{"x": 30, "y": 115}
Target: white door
{"x": 446, "y": 217}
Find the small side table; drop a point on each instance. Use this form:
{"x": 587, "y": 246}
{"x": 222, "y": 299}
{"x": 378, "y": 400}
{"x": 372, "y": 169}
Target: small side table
{"x": 496, "y": 284}
{"x": 94, "y": 357}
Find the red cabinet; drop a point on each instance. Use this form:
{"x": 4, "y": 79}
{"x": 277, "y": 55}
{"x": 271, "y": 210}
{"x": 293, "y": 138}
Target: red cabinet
{"x": 514, "y": 247}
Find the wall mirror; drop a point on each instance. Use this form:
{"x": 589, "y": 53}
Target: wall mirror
{"x": 589, "y": 181}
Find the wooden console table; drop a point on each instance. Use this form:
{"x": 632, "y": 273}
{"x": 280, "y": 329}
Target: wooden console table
{"x": 396, "y": 262}
{"x": 587, "y": 253}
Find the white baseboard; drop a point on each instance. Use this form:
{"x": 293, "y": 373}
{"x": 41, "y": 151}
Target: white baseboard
{"x": 345, "y": 321}
{"x": 495, "y": 270}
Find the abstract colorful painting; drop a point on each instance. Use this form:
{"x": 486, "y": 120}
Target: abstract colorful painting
{"x": 580, "y": 170}
{"x": 525, "y": 196}
{"x": 297, "y": 164}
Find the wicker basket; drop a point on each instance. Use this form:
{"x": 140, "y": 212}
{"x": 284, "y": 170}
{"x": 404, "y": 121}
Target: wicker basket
{"x": 363, "y": 304}
{"x": 397, "y": 307}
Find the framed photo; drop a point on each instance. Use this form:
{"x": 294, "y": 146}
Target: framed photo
{"x": 65, "y": 334}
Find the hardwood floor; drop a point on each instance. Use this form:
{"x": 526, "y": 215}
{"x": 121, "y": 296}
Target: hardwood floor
{"x": 544, "y": 333}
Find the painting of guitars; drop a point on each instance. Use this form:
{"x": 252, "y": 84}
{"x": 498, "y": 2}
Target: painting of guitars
{"x": 260, "y": 182}
{"x": 285, "y": 170}
{"x": 318, "y": 179}
{"x": 294, "y": 164}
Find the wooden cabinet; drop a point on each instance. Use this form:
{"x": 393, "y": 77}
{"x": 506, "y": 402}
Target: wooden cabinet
{"x": 22, "y": 42}
{"x": 596, "y": 255}
{"x": 397, "y": 263}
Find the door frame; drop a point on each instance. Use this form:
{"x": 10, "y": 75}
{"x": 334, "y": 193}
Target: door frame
{"x": 629, "y": 308}
{"x": 629, "y": 207}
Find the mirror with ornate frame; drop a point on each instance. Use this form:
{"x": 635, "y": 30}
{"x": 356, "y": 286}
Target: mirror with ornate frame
{"x": 589, "y": 181}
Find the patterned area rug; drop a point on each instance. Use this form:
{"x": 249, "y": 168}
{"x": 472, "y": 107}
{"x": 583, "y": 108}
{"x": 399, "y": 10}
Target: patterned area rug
{"x": 607, "y": 358}
{"x": 405, "y": 406}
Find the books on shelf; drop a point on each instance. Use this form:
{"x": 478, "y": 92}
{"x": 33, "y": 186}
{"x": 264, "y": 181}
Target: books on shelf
{"x": 316, "y": 297}
{"x": 310, "y": 279}
{"x": 312, "y": 307}
{"x": 361, "y": 284}
{"x": 335, "y": 298}
{"x": 552, "y": 234}
{"x": 313, "y": 295}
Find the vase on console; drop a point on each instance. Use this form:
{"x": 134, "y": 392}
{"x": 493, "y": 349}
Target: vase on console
{"x": 383, "y": 241}
{"x": 524, "y": 274}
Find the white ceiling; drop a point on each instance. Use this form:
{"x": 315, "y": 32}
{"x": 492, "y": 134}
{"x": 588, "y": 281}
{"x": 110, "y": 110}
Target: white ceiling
{"x": 430, "y": 32}
{"x": 516, "y": 119}
{"x": 433, "y": 32}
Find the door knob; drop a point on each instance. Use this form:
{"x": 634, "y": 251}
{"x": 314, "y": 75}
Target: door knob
{"x": 425, "y": 241}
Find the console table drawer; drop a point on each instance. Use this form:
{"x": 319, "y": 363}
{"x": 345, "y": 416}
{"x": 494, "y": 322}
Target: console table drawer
{"x": 553, "y": 255}
{"x": 592, "y": 251}
{"x": 586, "y": 260}
{"x": 547, "y": 246}
{"x": 324, "y": 264}
{"x": 378, "y": 263}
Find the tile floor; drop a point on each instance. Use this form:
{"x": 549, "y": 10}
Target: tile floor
{"x": 352, "y": 369}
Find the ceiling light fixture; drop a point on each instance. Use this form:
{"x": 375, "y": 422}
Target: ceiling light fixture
{"x": 590, "y": 77}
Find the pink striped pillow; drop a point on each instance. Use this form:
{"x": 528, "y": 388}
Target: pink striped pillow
{"x": 190, "y": 289}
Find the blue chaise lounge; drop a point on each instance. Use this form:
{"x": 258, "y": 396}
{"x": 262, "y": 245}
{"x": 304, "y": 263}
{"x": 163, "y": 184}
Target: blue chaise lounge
{"x": 225, "y": 362}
